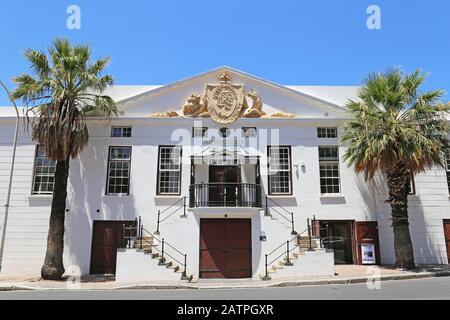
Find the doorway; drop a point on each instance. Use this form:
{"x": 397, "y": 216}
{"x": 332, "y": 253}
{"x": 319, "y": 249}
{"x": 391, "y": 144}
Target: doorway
{"x": 107, "y": 237}
{"x": 338, "y": 236}
{"x": 367, "y": 234}
{"x": 225, "y": 248}
{"x": 223, "y": 186}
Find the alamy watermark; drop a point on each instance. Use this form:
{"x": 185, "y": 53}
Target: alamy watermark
{"x": 374, "y": 278}
{"x": 74, "y": 279}
{"x": 374, "y": 20}
{"x": 73, "y": 21}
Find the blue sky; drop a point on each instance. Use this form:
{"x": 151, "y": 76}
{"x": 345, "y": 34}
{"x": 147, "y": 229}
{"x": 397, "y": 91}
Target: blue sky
{"x": 320, "y": 42}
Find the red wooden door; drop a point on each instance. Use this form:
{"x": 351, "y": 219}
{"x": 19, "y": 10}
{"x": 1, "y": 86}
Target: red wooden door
{"x": 447, "y": 237}
{"x": 367, "y": 232}
{"x": 225, "y": 248}
{"x": 107, "y": 237}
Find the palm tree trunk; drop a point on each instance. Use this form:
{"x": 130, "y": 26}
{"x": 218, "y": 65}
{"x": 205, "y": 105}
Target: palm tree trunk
{"x": 53, "y": 267}
{"x": 398, "y": 178}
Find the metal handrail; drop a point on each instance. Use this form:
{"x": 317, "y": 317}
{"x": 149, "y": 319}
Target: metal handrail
{"x": 272, "y": 208}
{"x": 174, "y": 248}
{"x": 137, "y": 231}
{"x": 164, "y": 252}
{"x": 280, "y": 206}
{"x": 173, "y": 205}
{"x": 223, "y": 183}
{"x": 281, "y": 246}
{"x": 159, "y": 220}
{"x": 291, "y": 220}
{"x": 234, "y": 195}
{"x": 287, "y": 252}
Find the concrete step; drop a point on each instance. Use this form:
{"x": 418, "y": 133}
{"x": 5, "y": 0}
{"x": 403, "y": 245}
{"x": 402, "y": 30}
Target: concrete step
{"x": 187, "y": 278}
{"x": 155, "y": 255}
{"x": 137, "y": 245}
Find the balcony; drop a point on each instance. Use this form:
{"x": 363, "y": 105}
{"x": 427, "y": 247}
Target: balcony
{"x": 243, "y": 195}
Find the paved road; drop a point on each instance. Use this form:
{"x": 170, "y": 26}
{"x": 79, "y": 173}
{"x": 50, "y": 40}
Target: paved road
{"x": 434, "y": 288}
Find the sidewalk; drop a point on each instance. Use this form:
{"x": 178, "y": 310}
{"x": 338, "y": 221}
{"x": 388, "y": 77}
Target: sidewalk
{"x": 345, "y": 274}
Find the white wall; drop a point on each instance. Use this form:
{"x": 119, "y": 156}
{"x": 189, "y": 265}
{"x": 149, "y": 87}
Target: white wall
{"x": 87, "y": 202}
{"x": 427, "y": 209}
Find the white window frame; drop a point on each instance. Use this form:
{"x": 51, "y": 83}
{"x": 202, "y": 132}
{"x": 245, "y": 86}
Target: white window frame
{"x": 122, "y": 130}
{"x": 108, "y": 174}
{"x": 330, "y": 132}
{"x": 334, "y": 161}
{"x": 272, "y": 172}
{"x": 160, "y": 170}
{"x": 52, "y": 164}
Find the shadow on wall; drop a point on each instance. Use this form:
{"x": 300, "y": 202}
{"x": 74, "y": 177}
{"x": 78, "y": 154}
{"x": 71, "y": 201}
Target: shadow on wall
{"x": 87, "y": 203}
{"x": 332, "y": 200}
{"x": 366, "y": 190}
{"x": 420, "y": 231}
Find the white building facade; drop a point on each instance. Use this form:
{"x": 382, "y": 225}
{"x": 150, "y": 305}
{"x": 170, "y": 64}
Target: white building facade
{"x": 232, "y": 175}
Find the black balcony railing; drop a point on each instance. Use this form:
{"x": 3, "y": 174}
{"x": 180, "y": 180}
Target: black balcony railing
{"x": 225, "y": 195}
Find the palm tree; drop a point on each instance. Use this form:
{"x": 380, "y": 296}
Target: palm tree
{"x": 65, "y": 88}
{"x": 397, "y": 130}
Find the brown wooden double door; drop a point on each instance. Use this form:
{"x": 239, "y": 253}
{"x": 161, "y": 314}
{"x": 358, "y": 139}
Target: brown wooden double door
{"x": 107, "y": 237}
{"x": 225, "y": 248}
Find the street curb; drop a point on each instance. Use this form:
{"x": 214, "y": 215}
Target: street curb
{"x": 358, "y": 280}
{"x": 18, "y": 288}
{"x": 278, "y": 284}
{"x": 287, "y": 283}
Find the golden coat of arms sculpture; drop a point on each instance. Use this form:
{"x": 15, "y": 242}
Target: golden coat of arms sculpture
{"x": 224, "y": 102}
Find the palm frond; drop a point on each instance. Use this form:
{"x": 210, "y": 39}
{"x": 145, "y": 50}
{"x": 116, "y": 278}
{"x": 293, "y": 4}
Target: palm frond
{"x": 64, "y": 88}
{"x": 394, "y": 120}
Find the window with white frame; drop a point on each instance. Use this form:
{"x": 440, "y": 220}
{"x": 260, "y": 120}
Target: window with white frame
{"x": 119, "y": 171}
{"x": 279, "y": 165}
{"x": 44, "y": 173}
{"x": 329, "y": 170}
{"x": 329, "y": 133}
{"x": 169, "y": 170}
{"x": 448, "y": 169}
{"x": 121, "y": 132}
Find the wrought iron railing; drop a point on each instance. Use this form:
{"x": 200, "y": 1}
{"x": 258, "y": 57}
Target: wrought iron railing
{"x": 137, "y": 235}
{"x": 284, "y": 250}
{"x": 225, "y": 195}
{"x": 272, "y": 205}
{"x": 170, "y": 211}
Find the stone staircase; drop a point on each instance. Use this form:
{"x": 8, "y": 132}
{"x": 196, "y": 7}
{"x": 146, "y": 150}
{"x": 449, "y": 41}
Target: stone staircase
{"x": 146, "y": 259}
{"x": 151, "y": 248}
{"x": 301, "y": 261}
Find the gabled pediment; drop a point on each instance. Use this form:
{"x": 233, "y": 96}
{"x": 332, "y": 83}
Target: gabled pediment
{"x": 206, "y": 95}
